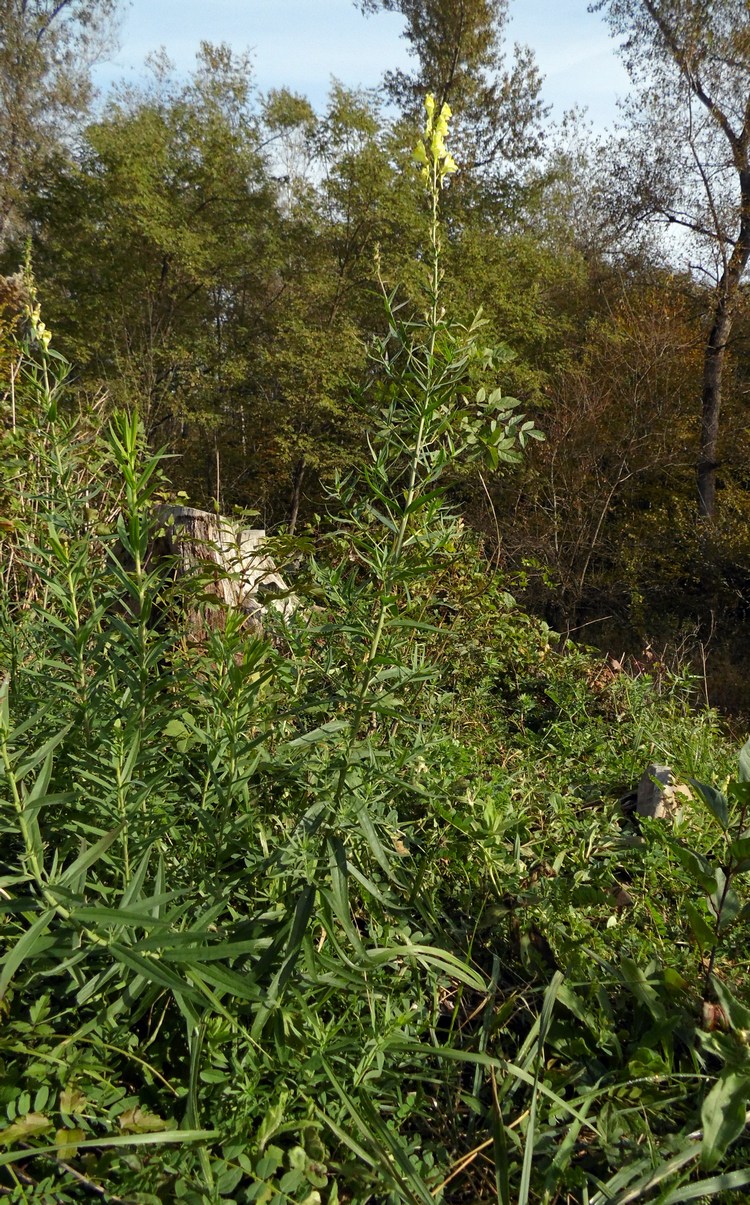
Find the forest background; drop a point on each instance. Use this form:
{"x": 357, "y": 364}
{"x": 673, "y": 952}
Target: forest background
{"x": 212, "y": 252}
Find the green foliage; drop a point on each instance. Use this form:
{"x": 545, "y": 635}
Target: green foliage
{"x": 46, "y": 56}
{"x": 334, "y": 912}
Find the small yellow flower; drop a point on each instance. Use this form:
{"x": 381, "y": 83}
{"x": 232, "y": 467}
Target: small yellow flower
{"x": 38, "y": 328}
{"x": 441, "y": 125}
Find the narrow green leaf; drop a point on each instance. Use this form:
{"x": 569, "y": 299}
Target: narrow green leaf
{"x": 42, "y": 754}
{"x": 714, "y": 800}
{"x": 23, "y": 948}
{"x": 723, "y": 1115}
{"x": 347, "y": 1140}
{"x": 642, "y": 989}
{"x": 500, "y": 1150}
{"x": 367, "y": 827}
{"x": 724, "y": 901}
{"x": 166, "y": 1137}
{"x": 132, "y": 757}
{"x": 698, "y": 867}
{"x": 197, "y": 1038}
{"x": 650, "y": 1176}
{"x": 318, "y": 734}
{"x": 702, "y": 931}
{"x": 389, "y": 1140}
{"x": 151, "y": 970}
{"x": 417, "y": 625}
{"x": 99, "y": 916}
{"x": 564, "y": 1152}
{"x": 706, "y": 1189}
{"x": 339, "y": 895}
{"x": 431, "y": 956}
{"x": 391, "y": 1155}
{"x": 567, "y": 1108}
{"x": 302, "y": 913}
{"x": 737, "y": 1014}
{"x": 240, "y": 986}
{"x": 369, "y": 886}
{"x": 37, "y": 792}
{"x": 545, "y": 1018}
{"x": 221, "y": 951}
{"x": 135, "y": 886}
{"x": 740, "y": 850}
{"x": 89, "y": 856}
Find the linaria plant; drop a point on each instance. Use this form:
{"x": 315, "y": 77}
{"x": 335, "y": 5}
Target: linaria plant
{"x": 221, "y": 977}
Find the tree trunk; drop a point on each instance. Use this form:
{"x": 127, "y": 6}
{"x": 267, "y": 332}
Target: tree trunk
{"x": 231, "y": 563}
{"x": 713, "y": 369}
{"x": 713, "y": 360}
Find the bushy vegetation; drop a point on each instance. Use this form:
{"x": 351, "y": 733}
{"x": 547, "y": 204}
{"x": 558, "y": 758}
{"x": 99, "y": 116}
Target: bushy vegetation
{"x": 208, "y": 255}
{"x": 348, "y": 910}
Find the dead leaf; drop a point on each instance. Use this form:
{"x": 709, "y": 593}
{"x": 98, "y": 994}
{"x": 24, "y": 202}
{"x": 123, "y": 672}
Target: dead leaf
{"x": 139, "y": 1121}
{"x": 713, "y": 1017}
{"x": 25, "y": 1128}
{"x": 71, "y": 1100}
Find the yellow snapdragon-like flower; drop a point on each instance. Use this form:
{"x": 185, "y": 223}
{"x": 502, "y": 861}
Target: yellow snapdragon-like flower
{"x": 436, "y": 160}
{"x": 420, "y": 155}
{"x": 437, "y": 146}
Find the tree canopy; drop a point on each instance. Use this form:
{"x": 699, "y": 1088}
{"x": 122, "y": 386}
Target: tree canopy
{"x": 47, "y": 49}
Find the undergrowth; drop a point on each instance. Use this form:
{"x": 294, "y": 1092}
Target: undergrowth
{"x": 348, "y": 910}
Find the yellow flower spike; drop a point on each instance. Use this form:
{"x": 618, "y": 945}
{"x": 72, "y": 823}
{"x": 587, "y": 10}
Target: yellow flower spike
{"x": 430, "y": 153}
{"x": 38, "y": 328}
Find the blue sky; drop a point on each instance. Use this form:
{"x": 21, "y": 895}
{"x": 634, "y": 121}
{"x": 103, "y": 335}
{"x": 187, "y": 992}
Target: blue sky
{"x": 300, "y": 44}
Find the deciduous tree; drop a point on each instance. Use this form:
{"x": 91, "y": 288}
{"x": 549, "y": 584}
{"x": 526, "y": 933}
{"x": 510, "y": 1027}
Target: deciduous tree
{"x": 462, "y": 61}
{"x": 166, "y": 224}
{"x": 688, "y": 161}
{"x": 47, "y": 48}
